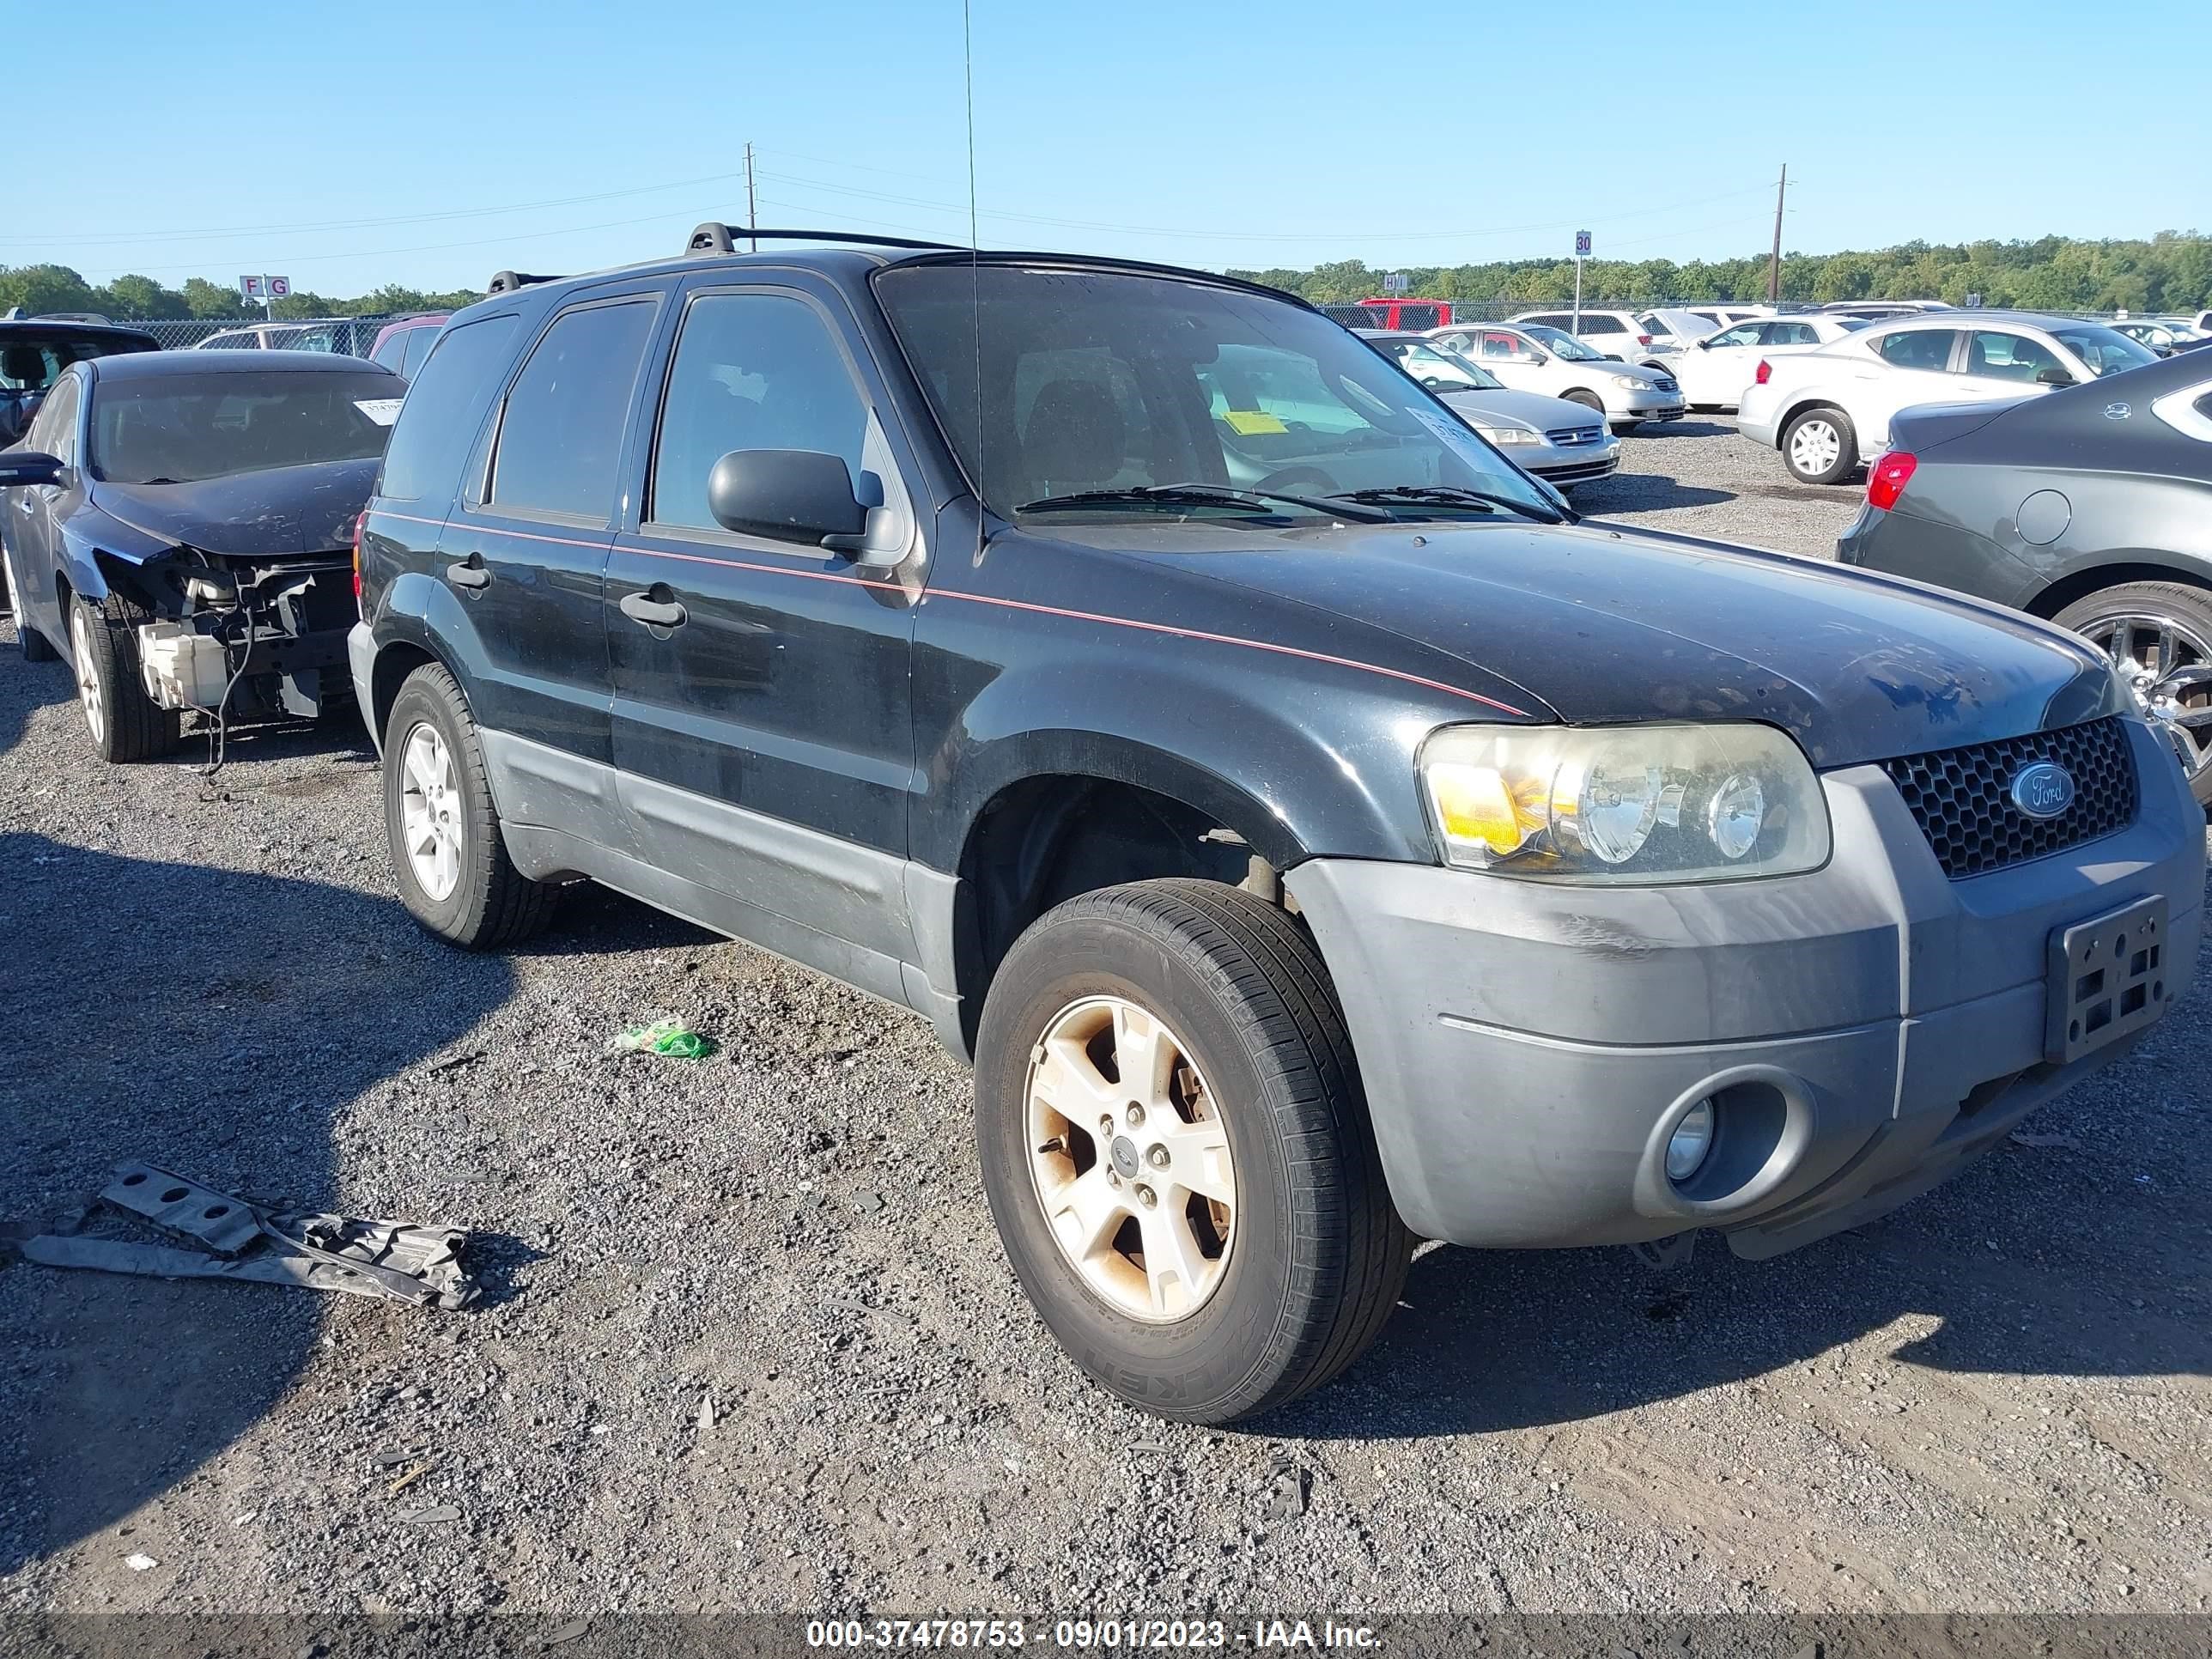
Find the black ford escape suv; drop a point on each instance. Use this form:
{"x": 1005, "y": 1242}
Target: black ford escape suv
{"x": 1317, "y": 838}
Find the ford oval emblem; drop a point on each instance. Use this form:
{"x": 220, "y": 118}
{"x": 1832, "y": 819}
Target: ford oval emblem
{"x": 2117, "y": 411}
{"x": 2043, "y": 790}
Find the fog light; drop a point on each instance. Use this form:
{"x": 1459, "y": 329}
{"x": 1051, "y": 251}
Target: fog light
{"x": 1691, "y": 1140}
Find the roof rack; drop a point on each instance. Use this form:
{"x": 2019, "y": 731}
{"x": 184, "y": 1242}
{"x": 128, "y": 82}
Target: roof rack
{"x": 713, "y": 238}
{"x": 507, "y": 281}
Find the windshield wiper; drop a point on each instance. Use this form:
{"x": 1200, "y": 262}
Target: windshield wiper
{"x": 1203, "y": 495}
{"x": 1453, "y": 495}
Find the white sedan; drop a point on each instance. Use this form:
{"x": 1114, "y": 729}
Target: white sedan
{"x": 1828, "y": 409}
{"x": 1715, "y": 370}
{"x": 1530, "y": 357}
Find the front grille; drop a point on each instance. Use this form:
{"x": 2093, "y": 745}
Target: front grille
{"x": 1962, "y": 797}
{"x": 1567, "y": 437}
{"x": 1668, "y": 383}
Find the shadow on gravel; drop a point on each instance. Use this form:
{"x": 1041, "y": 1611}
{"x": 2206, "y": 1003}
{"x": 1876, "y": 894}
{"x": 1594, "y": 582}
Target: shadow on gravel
{"x": 2025, "y": 1266}
{"x": 1626, "y": 493}
{"x": 25, "y": 686}
{"x": 217, "y": 1024}
{"x": 1689, "y": 426}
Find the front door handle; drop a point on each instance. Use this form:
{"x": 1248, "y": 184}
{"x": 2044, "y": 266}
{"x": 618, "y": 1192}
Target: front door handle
{"x": 468, "y": 573}
{"x": 654, "y": 613}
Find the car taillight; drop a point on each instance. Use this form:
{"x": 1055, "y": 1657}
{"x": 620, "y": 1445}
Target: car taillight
{"x": 1765, "y": 372}
{"x": 1643, "y": 339}
{"x": 1888, "y": 480}
{"x": 359, "y": 521}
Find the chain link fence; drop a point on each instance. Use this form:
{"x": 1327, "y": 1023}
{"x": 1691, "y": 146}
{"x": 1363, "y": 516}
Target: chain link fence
{"x": 351, "y": 336}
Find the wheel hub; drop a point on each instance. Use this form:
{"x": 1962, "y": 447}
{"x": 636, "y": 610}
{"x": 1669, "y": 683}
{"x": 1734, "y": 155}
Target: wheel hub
{"x": 1130, "y": 1160}
{"x": 429, "y": 813}
{"x": 2168, "y": 667}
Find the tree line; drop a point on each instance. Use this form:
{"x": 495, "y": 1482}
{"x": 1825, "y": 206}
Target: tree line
{"x": 2170, "y": 272}
{"x": 47, "y": 287}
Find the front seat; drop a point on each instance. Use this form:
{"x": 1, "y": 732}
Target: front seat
{"x": 1075, "y": 439}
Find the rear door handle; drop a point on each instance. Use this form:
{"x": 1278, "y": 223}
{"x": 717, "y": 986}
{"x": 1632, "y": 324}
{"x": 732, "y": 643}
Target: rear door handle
{"x": 654, "y": 613}
{"x": 469, "y": 573}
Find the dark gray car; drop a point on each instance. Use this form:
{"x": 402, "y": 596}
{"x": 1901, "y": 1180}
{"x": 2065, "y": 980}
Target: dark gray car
{"x": 2091, "y": 506}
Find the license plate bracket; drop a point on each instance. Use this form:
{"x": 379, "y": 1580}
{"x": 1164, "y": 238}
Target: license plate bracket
{"x": 2107, "y": 979}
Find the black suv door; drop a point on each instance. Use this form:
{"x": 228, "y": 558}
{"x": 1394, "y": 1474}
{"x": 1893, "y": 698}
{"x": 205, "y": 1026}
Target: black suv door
{"x": 526, "y": 548}
{"x": 762, "y": 724}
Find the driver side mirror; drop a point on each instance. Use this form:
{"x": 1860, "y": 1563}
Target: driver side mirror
{"x": 25, "y": 468}
{"x": 2053, "y": 375}
{"x": 789, "y": 496}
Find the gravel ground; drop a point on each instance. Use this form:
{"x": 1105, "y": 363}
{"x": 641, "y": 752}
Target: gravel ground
{"x": 750, "y": 1342}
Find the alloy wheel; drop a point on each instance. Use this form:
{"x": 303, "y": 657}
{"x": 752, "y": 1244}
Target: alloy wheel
{"x": 2168, "y": 667}
{"x": 87, "y": 674}
{"x": 1130, "y": 1159}
{"x": 430, "y": 813}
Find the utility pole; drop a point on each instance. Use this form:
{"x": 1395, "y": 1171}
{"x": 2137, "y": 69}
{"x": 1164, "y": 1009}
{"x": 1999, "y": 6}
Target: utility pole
{"x": 1774, "y": 259}
{"x": 752, "y": 222}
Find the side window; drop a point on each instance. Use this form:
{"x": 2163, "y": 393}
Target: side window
{"x": 752, "y": 371}
{"x": 1552, "y": 319}
{"x": 1925, "y": 348}
{"x": 1598, "y": 322}
{"x": 1508, "y": 347}
{"x": 2007, "y": 356}
{"x": 1656, "y": 326}
{"x": 54, "y": 431}
{"x": 559, "y": 441}
{"x": 419, "y": 342}
{"x": 389, "y": 352}
{"x": 445, "y": 406}
{"x": 1712, "y": 317}
{"x": 1743, "y": 334}
{"x": 1420, "y": 317}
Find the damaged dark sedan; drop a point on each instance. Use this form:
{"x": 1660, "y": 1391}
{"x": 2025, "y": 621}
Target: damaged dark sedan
{"x": 178, "y": 527}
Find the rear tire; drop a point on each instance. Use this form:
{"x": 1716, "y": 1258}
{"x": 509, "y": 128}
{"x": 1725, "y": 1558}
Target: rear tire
{"x": 34, "y": 646}
{"x": 125, "y": 724}
{"x": 1309, "y": 1256}
{"x": 2165, "y": 628}
{"x": 448, "y": 855}
{"x": 1820, "y": 447}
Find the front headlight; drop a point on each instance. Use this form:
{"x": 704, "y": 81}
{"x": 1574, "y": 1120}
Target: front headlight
{"x": 1624, "y": 805}
{"x": 1630, "y": 383}
{"x": 1507, "y": 434}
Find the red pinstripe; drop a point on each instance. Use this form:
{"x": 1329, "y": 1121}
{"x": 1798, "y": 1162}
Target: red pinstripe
{"x": 1010, "y": 604}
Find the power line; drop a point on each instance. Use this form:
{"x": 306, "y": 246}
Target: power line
{"x": 143, "y": 237}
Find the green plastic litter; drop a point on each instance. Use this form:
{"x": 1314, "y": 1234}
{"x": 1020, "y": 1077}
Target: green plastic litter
{"x": 671, "y": 1038}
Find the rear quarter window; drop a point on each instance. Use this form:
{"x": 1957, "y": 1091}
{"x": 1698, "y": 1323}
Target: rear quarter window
{"x": 445, "y": 407}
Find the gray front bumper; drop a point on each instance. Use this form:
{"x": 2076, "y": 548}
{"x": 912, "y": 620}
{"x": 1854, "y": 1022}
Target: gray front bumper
{"x": 1527, "y": 1047}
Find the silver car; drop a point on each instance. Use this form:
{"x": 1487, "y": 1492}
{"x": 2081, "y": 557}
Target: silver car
{"x": 1562, "y": 443}
{"x": 1530, "y": 357}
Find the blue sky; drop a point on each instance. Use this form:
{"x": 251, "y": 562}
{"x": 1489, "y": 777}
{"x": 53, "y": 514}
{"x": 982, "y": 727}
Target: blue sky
{"x": 432, "y": 145}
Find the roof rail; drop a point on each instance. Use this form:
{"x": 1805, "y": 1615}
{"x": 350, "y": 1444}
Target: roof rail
{"x": 715, "y": 238}
{"x": 507, "y": 281}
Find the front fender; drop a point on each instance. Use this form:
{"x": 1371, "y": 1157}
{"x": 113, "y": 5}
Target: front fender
{"x": 1296, "y": 771}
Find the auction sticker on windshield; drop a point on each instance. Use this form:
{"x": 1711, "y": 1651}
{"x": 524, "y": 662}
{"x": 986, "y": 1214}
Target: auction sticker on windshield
{"x": 383, "y": 411}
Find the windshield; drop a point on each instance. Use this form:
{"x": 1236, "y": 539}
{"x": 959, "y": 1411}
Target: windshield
{"x": 180, "y": 428}
{"x": 1106, "y": 382}
{"x": 2106, "y": 350}
{"x": 1560, "y": 343}
{"x": 1441, "y": 371}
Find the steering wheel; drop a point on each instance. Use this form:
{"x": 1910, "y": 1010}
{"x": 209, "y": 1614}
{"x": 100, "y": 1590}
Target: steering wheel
{"x": 1303, "y": 478}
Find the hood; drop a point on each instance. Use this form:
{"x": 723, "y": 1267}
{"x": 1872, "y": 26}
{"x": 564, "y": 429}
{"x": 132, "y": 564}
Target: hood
{"x": 1609, "y": 627}
{"x": 1529, "y": 409}
{"x": 1633, "y": 370}
{"x": 264, "y": 514}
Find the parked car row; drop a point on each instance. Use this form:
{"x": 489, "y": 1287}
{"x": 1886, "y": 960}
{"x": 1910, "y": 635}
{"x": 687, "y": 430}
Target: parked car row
{"x": 1316, "y": 836}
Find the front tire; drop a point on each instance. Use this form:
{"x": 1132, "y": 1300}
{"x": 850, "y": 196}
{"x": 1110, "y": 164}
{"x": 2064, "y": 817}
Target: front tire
{"x": 2158, "y": 634}
{"x": 1820, "y": 447}
{"x": 1177, "y": 1150}
{"x": 125, "y": 725}
{"x": 449, "y": 855}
